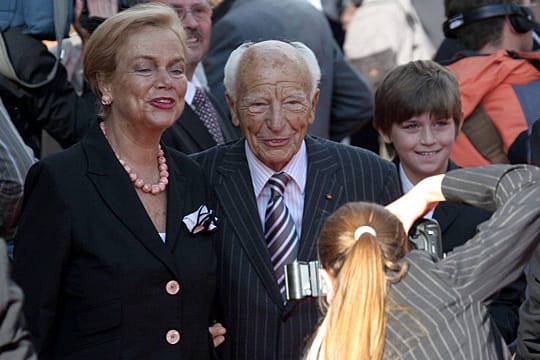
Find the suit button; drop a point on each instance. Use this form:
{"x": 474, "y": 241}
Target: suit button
{"x": 173, "y": 337}
{"x": 172, "y": 287}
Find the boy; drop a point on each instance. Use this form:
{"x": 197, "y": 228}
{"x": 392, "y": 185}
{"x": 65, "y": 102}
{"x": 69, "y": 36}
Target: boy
{"x": 418, "y": 115}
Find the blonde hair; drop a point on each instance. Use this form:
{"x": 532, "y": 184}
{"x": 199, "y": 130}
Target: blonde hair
{"x": 101, "y": 51}
{"x": 354, "y": 326}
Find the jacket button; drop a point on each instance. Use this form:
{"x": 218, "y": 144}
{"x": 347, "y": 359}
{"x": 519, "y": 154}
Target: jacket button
{"x": 172, "y": 287}
{"x": 173, "y": 337}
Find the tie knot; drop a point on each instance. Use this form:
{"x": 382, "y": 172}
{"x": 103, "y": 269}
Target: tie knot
{"x": 277, "y": 183}
{"x": 199, "y": 97}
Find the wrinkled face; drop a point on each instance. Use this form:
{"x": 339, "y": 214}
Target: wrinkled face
{"x": 273, "y": 105}
{"x": 196, "y": 17}
{"x": 148, "y": 86}
{"x": 423, "y": 145}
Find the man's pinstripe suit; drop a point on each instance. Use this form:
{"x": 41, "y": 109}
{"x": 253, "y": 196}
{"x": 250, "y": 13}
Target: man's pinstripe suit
{"x": 258, "y": 325}
{"x": 438, "y": 311}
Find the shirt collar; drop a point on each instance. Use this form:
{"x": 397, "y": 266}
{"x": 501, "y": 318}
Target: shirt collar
{"x": 296, "y": 168}
{"x": 190, "y": 91}
{"x": 406, "y": 184}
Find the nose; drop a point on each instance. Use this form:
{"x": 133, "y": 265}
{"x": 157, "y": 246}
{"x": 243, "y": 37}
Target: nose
{"x": 189, "y": 21}
{"x": 275, "y": 121}
{"x": 163, "y": 78}
{"x": 426, "y": 136}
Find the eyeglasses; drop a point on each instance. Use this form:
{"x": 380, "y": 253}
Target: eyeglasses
{"x": 198, "y": 11}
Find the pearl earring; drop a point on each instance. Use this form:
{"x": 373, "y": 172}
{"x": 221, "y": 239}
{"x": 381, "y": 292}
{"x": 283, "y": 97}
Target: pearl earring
{"x": 106, "y": 100}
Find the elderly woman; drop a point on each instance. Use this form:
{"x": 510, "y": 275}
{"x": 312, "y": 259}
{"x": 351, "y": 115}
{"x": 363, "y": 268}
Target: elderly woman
{"x": 109, "y": 267}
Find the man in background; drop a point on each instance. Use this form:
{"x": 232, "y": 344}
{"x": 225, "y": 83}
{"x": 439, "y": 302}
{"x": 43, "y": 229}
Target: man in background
{"x": 499, "y": 79}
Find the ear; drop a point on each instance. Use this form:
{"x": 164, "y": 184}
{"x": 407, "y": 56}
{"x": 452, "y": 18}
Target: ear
{"x": 104, "y": 86}
{"x": 314, "y": 102}
{"x": 386, "y": 138}
{"x": 232, "y": 109}
{"x": 329, "y": 283}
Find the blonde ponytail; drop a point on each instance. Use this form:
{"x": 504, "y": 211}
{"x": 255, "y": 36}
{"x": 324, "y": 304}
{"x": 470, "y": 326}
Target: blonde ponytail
{"x": 355, "y": 324}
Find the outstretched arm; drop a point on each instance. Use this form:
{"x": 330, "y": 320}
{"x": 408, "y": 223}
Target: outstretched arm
{"x": 415, "y": 203}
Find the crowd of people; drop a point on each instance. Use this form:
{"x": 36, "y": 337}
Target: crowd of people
{"x": 208, "y": 144}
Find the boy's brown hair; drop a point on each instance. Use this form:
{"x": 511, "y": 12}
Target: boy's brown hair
{"x": 413, "y": 89}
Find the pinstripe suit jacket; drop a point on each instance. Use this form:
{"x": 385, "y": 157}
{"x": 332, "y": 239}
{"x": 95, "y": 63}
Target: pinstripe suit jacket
{"x": 258, "y": 325}
{"x": 438, "y": 311}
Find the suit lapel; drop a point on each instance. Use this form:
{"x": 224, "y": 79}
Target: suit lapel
{"x": 193, "y": 126}
{"x": 116, "y": 190}
{"x": 176, "y": 200}
{"x": 322, "y": 194}
{"x": 236, "y": 197}
{"x": 446, "y": 213}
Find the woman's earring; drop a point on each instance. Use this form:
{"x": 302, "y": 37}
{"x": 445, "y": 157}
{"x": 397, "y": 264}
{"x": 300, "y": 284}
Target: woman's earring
{"x": 106, "y": 100}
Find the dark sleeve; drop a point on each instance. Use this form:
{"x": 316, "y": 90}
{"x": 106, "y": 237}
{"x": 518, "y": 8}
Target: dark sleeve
{"x": 352, "y": 100}
{"x": 15, "y": 160}
{"x": 55, "y": 107}
{"x": 41, "y": 247}
{"x": 392, "y": 186}
{"x": 505, "y": 308}
{"x": 528, "y": 339}
{"x": 497, "y": 254}
{"x": 14, "y": 339}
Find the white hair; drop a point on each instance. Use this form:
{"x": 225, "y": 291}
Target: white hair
{"x": 304, "y": 53}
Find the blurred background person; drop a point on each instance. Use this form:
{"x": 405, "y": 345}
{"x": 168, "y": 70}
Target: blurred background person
{"x": 381, "y": 35}
{"x": 15, "y": 160}
{"x": 499, "y": 79}
{"x": 384, "y": 34}
{"x": 108, "y": 267}
{"x": 15, "y": 343}
{"x": 409, "y": 304}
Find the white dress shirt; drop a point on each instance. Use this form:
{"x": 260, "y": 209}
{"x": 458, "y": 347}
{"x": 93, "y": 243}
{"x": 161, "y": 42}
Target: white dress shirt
{"x": 190, "y": 90}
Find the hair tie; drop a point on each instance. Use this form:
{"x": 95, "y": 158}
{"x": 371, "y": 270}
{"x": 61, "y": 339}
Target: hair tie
{"x": 364, "y": 229}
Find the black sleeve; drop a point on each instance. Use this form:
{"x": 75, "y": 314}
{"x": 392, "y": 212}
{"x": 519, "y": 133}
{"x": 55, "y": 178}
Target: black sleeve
{"x": 54, "y": 107}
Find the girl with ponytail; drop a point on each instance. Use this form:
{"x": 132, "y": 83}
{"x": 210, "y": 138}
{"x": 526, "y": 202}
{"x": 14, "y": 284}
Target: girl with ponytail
{"x": 386, "y": 302}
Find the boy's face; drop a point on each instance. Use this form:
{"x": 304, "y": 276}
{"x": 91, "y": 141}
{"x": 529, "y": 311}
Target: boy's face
{"x": 423, "y": 145}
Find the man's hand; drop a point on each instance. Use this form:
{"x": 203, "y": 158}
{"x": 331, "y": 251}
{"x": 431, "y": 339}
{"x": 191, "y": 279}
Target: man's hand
{"x": 218, "y": 333}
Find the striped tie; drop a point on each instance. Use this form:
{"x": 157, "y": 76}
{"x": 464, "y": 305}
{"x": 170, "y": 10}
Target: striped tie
{"x": 279, "y": 231}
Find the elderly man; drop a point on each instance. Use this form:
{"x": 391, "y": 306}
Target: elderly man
{"x": 274, "y": 188}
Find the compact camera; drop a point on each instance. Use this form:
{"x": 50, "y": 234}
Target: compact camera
{"x": 303, "y": 279}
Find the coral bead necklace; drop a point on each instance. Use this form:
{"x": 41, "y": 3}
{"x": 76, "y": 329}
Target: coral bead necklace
{"x": 153, "y": 189}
